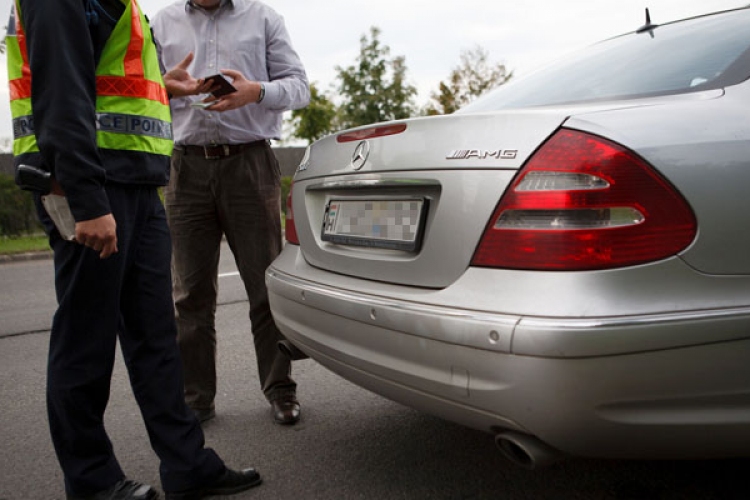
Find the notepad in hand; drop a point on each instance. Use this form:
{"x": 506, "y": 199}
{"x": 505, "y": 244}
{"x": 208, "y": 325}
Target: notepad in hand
{"x": 59, "y": 211}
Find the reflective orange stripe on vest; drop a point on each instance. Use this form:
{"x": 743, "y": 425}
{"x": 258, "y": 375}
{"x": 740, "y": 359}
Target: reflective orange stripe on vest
{"x": 133, "y": 85}
{"x": 133, "y": 62}
{"x": 20, "y": 88}
{"x": 130, "y": 87}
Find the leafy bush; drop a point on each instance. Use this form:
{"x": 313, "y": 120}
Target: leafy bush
{"x": 17, "y": 211}
{"x": 18, "y": 214}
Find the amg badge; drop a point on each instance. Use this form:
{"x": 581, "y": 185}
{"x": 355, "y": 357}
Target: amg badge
{"x": 482, "y": 154}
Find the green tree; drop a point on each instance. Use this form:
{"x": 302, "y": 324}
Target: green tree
{"x": 316, "y": 119}
{"x": 471, "y": 78}
{"x": 374, "y": 89}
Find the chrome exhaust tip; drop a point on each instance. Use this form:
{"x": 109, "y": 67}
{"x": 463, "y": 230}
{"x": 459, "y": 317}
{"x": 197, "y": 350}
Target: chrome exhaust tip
{"x": 526, "y": 451}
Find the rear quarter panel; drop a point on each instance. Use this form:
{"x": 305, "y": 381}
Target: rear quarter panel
{"x": 703, "y": 148}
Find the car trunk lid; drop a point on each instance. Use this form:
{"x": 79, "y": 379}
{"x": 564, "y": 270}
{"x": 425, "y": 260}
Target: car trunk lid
{"x": 440, "y": 177}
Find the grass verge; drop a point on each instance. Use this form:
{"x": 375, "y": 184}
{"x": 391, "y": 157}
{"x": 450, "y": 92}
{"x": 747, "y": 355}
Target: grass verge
{"x": 23, "y": 244}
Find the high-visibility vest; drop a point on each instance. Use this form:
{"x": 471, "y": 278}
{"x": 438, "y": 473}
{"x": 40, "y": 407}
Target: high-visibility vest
{"x": 132, "y": 106}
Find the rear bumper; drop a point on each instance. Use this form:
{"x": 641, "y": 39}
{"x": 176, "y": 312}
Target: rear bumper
{"x": 618, "y": 387}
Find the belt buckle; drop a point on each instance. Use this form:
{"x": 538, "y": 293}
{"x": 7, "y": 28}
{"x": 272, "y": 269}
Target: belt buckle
{"x": 215, "y": 157}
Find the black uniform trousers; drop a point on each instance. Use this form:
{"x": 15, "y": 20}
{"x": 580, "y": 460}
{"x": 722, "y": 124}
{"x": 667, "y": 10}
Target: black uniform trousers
{"x": 126, "y": 296}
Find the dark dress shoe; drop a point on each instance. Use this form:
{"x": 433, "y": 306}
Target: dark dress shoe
{"x": 229, "y": 483}
{"x": 204, "y": 415}
{"x": 123, "y": 490}
{"x": 285, "y": 410}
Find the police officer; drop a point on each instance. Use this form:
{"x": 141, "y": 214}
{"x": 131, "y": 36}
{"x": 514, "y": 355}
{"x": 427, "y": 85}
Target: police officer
{"x": 96, "y": 115}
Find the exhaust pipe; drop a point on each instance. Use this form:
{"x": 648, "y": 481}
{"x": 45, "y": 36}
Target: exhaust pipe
{"x": 527, "y": 451}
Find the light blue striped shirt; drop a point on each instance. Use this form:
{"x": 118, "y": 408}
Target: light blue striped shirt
{"x": 246, "y": 36}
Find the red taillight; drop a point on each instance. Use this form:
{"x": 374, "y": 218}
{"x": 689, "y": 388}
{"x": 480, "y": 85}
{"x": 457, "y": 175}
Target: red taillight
{"x": 583, "y": 202}
{"x": 290, "y": 230}
{"x": 371, "y": 133}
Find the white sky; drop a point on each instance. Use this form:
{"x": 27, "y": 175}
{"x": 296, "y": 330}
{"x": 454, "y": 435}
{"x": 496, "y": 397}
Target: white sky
{"x": 431, "y": 34}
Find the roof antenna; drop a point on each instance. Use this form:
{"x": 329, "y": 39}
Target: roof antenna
{"x": 648, "y": 26}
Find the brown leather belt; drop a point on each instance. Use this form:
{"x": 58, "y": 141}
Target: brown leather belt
{"x": 216, "y": 151}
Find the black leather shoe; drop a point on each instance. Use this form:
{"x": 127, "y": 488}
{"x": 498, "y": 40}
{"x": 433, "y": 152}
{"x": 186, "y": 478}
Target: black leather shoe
{"x": 204, "y": 415}
{"x": 123, "y": 490}
{"x": 285, "y": 410}
{"x": 229, "y": 483}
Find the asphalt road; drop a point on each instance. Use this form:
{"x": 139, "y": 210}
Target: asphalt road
{"x": 350, "y": 444}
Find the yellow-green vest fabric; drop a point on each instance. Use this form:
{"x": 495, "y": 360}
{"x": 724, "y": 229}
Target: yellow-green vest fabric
{"x": 132, "y": 105}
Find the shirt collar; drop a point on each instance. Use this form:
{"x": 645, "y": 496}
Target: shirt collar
{"x": 190, "y": 6}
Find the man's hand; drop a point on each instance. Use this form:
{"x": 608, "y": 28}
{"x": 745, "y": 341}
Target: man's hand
{"x": 247, "y": 92}
{"x": 180, "y": 82}
{"x": 99, "y": 234}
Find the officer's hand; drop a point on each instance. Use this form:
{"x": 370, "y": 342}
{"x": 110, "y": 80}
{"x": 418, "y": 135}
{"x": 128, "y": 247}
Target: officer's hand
{"x": 99, "y": 234}
{"x": 247, "y": 92}
{"x": 179, "y": 82}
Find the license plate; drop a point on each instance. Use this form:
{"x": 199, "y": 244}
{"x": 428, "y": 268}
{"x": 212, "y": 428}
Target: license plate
{"x": 393, "y": 224}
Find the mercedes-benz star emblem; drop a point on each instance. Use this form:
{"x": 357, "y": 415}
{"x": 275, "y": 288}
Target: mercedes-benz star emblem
{"x": 361, "y": 152}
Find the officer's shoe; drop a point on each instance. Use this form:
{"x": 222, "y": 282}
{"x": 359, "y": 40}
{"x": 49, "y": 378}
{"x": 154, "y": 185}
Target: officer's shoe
{"x": 229, "y": 483}
{"x": 126, "y": 489}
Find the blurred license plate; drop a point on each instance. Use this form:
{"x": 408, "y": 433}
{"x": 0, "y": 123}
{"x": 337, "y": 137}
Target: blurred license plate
{"x": 394, "y": 224}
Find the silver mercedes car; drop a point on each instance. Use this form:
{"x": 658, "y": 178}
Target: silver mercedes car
{"x": 564, "y": 263}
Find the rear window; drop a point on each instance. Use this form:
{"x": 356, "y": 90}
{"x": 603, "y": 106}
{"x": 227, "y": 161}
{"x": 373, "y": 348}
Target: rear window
{"x": 697, "y": 54}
